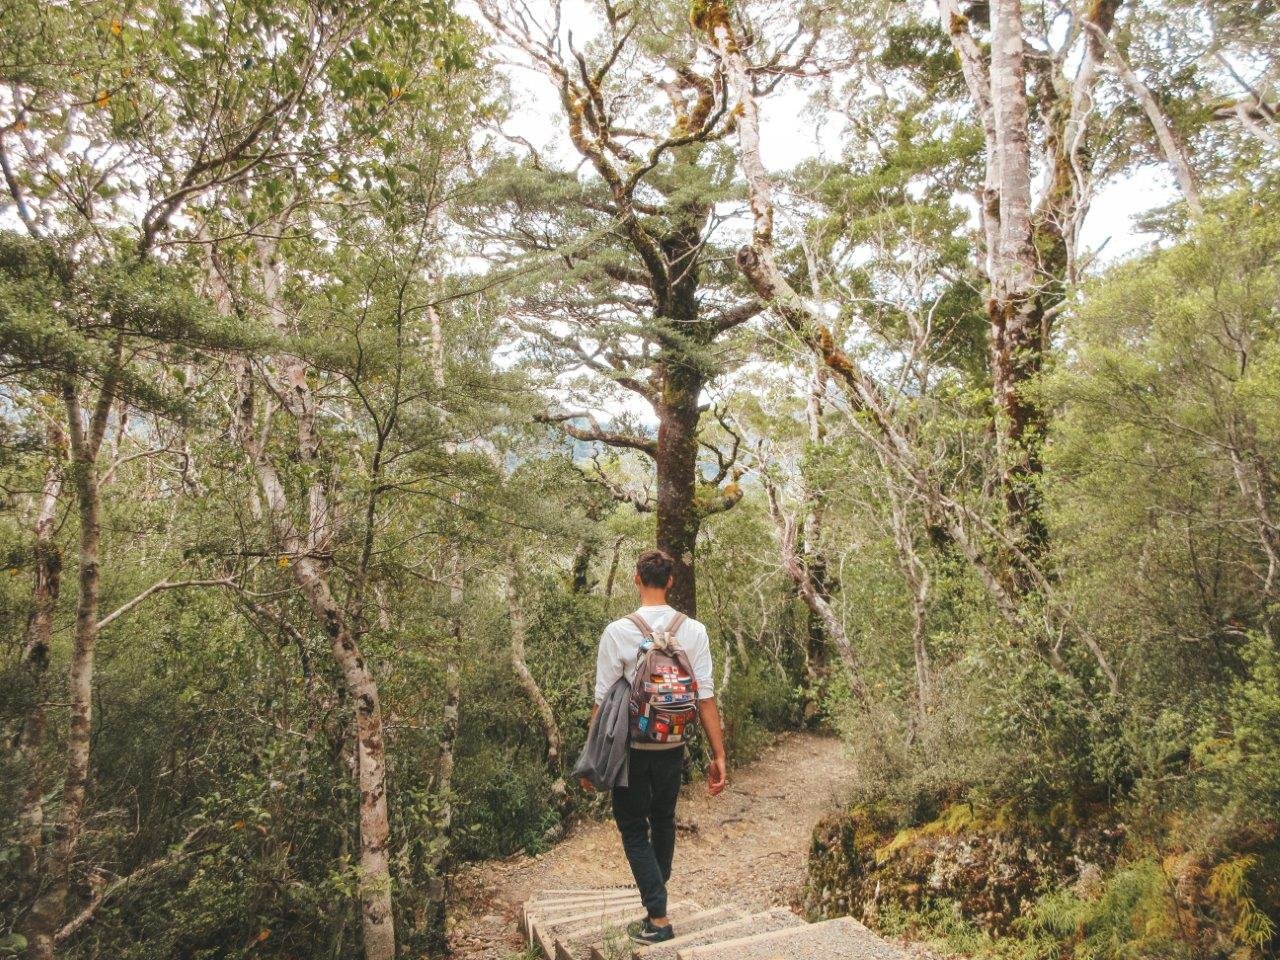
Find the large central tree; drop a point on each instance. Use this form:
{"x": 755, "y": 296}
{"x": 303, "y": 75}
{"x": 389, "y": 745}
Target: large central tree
{"x": 627, "y": 282}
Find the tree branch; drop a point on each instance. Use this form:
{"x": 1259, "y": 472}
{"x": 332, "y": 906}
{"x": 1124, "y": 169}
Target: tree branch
{"x": 594, "y": 433}
{"x": 737, "y": 314}
{"x": 157, "y": 587}
{"x": 70, "y": 928}
{"x": 643, "y": 502}
{"x": 1174, "y": 153}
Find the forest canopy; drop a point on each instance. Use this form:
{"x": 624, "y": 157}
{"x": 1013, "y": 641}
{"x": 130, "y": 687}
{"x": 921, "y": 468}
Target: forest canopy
{"x": 351, "y": 352}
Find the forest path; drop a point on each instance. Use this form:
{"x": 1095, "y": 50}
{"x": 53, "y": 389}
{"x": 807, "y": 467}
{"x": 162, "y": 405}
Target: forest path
{"x": 747, "y": 846}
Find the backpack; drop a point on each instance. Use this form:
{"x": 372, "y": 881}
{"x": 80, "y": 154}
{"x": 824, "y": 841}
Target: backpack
{"x": 664, "y": 692}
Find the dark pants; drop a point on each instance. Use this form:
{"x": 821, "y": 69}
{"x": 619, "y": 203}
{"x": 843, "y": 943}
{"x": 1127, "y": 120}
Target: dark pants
{"x": 645, "y": 812}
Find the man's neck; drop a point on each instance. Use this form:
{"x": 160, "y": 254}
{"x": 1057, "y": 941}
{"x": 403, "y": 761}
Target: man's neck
{"x": 653, "y": 598}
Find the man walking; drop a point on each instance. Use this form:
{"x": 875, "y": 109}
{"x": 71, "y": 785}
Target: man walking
{"x": 645, "y": 809}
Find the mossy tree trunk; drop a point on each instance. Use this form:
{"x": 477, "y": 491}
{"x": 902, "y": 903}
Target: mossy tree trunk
{"x": 676, "y": 466}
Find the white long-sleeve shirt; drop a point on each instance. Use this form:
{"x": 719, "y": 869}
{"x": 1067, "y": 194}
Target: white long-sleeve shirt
{"x": 620, "y": 645}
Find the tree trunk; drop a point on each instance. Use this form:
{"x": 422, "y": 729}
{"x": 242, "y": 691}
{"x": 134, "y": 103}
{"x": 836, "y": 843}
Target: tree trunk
{"x": 85, "y": 440}
{"x": 614, "y": 559}
{"x": 438, "y": 883}
{"x": 437, "y": 886}
{"x": 815, "y": 601}
{"x": 546, "y": 716}
{"x": 916, "y": 573}
{"x": 35, "y": 658}
{"x": 1017, "y": 346}
{"x": 580, "y": 576}
{"x": 677, "y": 464}
{"x": 378, "y": 921}
{"x": 449, "y": 718}
{"x": 375, "y": 870}
{"x": 815, "y": 560}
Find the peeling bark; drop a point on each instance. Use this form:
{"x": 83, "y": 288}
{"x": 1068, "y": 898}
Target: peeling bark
{"x": 1014, "y": 308}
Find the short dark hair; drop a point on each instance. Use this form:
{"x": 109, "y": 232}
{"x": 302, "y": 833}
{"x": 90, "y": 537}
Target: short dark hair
{"x": 654, "y": 568}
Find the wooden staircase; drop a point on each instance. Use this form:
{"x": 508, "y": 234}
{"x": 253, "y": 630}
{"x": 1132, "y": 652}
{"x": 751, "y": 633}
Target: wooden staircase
{"x": 590, "y": 924}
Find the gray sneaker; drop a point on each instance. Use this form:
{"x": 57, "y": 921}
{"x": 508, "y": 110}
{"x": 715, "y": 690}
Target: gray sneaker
{"x": 644, "y": 931}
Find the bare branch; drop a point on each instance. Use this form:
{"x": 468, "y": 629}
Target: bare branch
{"x": 594, "y": 433}
{"x": 1174, "y": 153}
{"x": 643, "y": 502}
{"x": 180, "y": 852}
{"x": 157, "y": 587}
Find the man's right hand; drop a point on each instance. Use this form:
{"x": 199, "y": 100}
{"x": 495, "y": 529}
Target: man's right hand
{"x": 717, "y": 776}
{"x": 586, "y": 784}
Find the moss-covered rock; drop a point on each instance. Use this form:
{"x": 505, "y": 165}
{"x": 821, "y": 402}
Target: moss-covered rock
{"x": 988, "y": 865}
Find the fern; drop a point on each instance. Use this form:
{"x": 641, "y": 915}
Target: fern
{"x": 1230, "y": 888}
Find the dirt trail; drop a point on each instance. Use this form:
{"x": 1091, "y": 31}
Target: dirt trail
{"x": 747, "y": 846}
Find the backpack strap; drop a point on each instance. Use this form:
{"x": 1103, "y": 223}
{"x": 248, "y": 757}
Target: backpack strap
{"x": 646, "y": 631}
{"x": 678, "y": 653}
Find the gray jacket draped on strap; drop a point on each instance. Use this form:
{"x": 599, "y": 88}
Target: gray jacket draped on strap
{"x": 604, "y": 759}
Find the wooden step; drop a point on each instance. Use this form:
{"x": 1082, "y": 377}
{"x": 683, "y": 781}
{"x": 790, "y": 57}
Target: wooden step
{"x": 545, "y": 901}
{"x": 545, "y": 931}
{"x": 546, "y": 916}
{"x": 547, "y": 910}
{"x": 561, "y": 893}
{"x": 621, "y": 948}
{"x": 573, "y": 942}
{"x": 779, "y": 918}
{"x": 841, "y": 939}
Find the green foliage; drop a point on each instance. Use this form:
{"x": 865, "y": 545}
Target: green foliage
{"x": 57, "y": 320}
{"x": 1241, "y": 751}
{"x": 762, "y": 700}
{"x": 1133, "y": 917}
